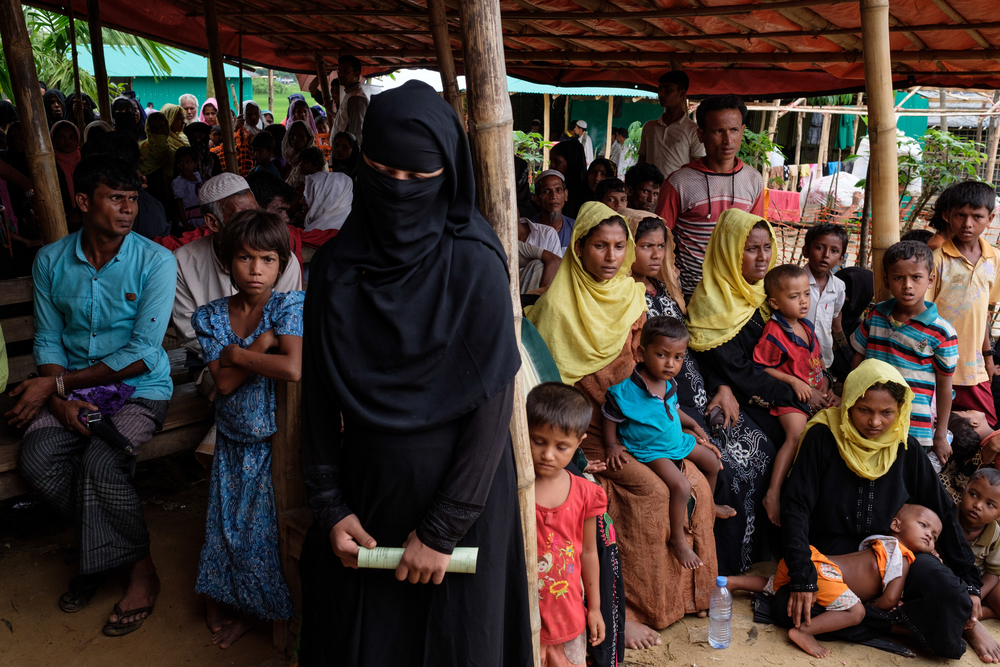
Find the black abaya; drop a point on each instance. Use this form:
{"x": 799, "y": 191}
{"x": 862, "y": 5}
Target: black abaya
{"x": 826, "y": 505}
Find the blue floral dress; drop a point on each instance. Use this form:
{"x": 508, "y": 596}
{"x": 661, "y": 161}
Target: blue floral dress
{"x": 239, "y": 564}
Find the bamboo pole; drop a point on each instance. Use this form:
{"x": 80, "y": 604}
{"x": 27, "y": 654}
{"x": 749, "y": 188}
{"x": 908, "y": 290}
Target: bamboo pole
{"x": 854, "y": 129}
{"x": 546, "y": 131}
{"x": 772, "y": 124}
{"x": 883, "y": 163}
{"x": 566, "y": 116}
{"x": 824, "y": 140}
{"x": 78, "y": 113}
{"x": 610, "y": 137}
{"x": 445, "y": 59}
{"x": 239, "y": 107}
{"x": 864, "y": 248}
{"x": 943, "y": 102}
{"x": 219, "y": 81}
{"x": 209, "y": 84}
{"x": 991, "y": 154}
{"x": 270, "y": 91}
{"x": 97, "y": 51}
{"x": 324, "y": 87}
{"x": 491, "y": 122}
{"x": 793, "y": 177}
{"x": 47, "y": 203}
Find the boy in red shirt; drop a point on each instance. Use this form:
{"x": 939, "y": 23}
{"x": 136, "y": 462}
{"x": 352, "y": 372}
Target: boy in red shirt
{"x": 566, "y": 511}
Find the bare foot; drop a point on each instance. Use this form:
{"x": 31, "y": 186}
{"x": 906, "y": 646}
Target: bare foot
{"x": 228, "y": 635}
{"x": 702, "y": 614}
{"x": 217, "y": 615}
{"x": 724, "y": 511}
{"x": 639, "y": 636}
{"x": 808, "y": 643}
{"x": 143, "y": 587}
{"x": 772, "y": 505}
{"x": 983, "y": 643}
{"x": 685, "y": 554}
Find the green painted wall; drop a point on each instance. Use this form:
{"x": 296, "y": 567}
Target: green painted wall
{"x": 912, "y": 126}
{"x": 595, "y": 112}
{"x": 169, "y": 89}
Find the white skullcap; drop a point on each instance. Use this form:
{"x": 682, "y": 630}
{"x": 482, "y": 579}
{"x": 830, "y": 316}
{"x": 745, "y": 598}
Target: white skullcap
{"x": 550, "y": 172}
{"x": 581, "y": 124}
{"x": 221, "y": 186}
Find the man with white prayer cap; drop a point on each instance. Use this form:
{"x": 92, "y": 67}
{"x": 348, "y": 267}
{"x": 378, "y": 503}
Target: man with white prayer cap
{"x": 201, "y": 278}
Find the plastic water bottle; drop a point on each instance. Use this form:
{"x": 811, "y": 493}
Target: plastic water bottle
{"x": 720, "y": 612}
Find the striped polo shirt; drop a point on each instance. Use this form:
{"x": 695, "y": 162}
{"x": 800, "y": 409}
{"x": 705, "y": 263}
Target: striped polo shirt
{"x": 691, "y": 201}
{"x": 919, "y": 349}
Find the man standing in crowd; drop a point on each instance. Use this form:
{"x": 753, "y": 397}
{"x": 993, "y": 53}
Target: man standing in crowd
{"x": 643, "y": 182}
{"x": 580, "y": 132}
{"x": 694, "y": 196}
{"x": 351, "y": 112}
{"x": 618, "y": 137}
{"x": 201, "y": 277}
{"x": 189, "y": 103}
{"x": 671, "y": 141}
{"x": 550, "y": 196}
{"x": 102, "y": 305}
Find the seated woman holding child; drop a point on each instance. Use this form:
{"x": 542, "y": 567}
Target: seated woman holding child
{"x": 590, "y": 319}
{"x": 726, "y": 319}
{"x": 856, "y": 467}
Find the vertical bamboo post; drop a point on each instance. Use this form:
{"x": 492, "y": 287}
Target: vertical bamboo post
{"x": 546, "y": 130}
{"x": 772, "y": 125}
{"x": 943, "y": 103}
{"x": 78, "y": 114}
{"x": 270, "y": 91}
{"x": 864, "y": 248}
{"x": 991, "y": 153}
{"x": 491, "y": 124}
{"x": 209, "y": 84}
{"x": 566, "y": 115}
{"x": 219, "y": 81}
{"x": 884, "y": 176}
{"x": 239, "y": 108}
{"x": 611, "y": 136}
{"x": 97, "y": 51}
{"x": 799, "y": 117}
{"x": 47, "y": 202}
{"x": 324, "y": 87}
{"x": 857, "y": 122}
{"x": 824, "y": 140}
{"x": 445, "y": 59}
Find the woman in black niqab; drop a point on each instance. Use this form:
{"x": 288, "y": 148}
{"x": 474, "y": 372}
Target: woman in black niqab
{"x": 54, "y": 113}
{"x": 125, "y": 117}
{"x": 409, "y": 334}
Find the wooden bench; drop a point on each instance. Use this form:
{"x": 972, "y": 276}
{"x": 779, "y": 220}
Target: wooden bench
{"x": 188, "y": 418}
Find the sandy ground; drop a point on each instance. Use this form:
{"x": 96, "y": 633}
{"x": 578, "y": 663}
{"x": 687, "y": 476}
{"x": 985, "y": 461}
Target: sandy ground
{"x": 37, "y": 559}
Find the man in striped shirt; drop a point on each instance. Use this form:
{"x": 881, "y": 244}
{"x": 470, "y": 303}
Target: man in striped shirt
{"x": 908, "y": 333}
{"x": 693, "y": 197}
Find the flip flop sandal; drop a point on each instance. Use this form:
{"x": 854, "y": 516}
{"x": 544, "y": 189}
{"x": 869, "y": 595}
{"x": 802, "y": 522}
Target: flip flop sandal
{"x": 82, "y": 589}
{"x": 119, "y": 628}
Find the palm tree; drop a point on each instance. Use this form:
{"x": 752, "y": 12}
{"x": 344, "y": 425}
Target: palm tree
{"x": 51, "y": 45}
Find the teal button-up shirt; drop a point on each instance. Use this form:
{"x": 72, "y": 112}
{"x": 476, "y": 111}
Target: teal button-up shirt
{"x": 115, "y": 316}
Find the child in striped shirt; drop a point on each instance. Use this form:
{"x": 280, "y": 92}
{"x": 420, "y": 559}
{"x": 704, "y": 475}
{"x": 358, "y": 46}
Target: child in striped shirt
{"x": 908, "y": 333}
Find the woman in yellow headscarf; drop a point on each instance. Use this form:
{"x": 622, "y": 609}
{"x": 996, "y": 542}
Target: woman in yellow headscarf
{"x": 855, "y": 468}
{"x": 590, "y": 318}
{"x": 175, "y": 121}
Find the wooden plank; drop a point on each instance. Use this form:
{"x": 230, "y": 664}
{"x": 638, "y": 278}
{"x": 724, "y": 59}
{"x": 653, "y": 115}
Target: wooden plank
{"x": 8, "y": 456}
{"x": 16, "y": 290}
{"x": 20, "y": 367}
{"x": 289, "y": 494}
{"x": 187, "y": 406}
{"x": 16, "y": 329}
{"x": 11, "y": 484}
{"x": 176, "y": 440}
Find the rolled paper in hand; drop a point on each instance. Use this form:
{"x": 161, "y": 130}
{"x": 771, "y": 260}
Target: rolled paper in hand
{"x": 463, "y": 559}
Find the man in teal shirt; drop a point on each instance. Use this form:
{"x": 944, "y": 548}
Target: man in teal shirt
{"x": 102, "y": 304}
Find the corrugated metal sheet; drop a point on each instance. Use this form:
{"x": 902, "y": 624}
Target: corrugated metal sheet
{"x": 130, "y": 64}
{"x": 162, "y": 91}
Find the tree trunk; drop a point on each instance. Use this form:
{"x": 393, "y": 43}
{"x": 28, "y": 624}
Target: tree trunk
{"x": 270, "y": 91}
{"x": 42, "y": 170}
{"x": 219, "y": 80}
{"x": 491, "y": 123}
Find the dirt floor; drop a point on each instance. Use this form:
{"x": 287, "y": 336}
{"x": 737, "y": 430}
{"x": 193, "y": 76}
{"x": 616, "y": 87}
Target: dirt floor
{"x": 37, "y": 560}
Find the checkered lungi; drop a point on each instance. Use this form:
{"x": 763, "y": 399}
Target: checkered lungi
{"x": 90, "y": 481}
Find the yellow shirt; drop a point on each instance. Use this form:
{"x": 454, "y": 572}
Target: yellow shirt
{"x": 963, "y": 293}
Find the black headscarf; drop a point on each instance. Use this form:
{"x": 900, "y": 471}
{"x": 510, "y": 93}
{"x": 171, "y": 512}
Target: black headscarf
{"x": 8, "y": 114}
{"x": 576, "y": 174}
{"x": 88, "y": 108}
{"x": 408, "y": 318}
{"x": 124, "y": 117}
{"x": 860, "y": 290}
{"x": 47, "y": 101}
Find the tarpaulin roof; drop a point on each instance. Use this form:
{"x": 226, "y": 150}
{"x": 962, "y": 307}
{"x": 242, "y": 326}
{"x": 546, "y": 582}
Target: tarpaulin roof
{"x": 764, "y": 49}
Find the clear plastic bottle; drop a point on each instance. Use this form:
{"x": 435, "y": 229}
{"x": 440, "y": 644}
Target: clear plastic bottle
{"x": 720, "y": 612}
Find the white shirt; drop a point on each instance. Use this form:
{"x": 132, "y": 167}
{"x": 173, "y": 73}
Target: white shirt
{"x": 351, "y": 112}
{"x": 201, "y": 278}
{"x": 545, "y": 237}
{"x": 823, "y": 308}
{"x": 670, "y": 147}
{"x": 588, "y": 147}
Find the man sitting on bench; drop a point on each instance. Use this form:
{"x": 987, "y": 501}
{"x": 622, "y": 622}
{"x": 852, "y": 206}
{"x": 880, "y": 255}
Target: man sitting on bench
{"x": 102, "y": 304}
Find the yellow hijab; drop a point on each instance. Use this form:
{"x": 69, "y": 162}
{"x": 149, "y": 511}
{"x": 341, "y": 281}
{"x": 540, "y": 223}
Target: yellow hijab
{"x": 724, "y": 301}
{"x": 175, "y": 139}
{"x": 585, "y": 322}
{"x": 668, "y": 268}
{"x": 866, "y": 458}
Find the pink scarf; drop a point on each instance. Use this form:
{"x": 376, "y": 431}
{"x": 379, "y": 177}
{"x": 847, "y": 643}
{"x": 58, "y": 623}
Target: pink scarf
{"x": 68, "y": 161}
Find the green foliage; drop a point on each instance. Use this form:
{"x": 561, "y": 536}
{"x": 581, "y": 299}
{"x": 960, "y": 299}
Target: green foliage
{"x": 530, "y": 147}
{"x": 756, "y": 150}
{"x": 632, "y": 143}
{"x": 50, "y": 42}
{"x": 280, "y": 89}
{"x": 946, "y": 159}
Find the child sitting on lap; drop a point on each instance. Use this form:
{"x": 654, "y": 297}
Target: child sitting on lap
{"x": 641, "y": 416}
{"x": 789, "y": 351}
{"x": 240, "y": 570}
{"x": 566, "y": 511}
{"x": 874, "y": 574}
{"x": 977, "y": 514}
